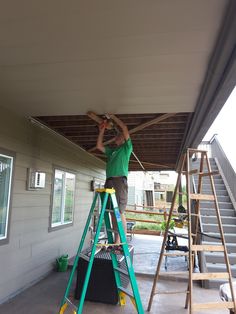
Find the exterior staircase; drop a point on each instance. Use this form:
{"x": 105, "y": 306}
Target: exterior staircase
{"x": 214, "y": 261}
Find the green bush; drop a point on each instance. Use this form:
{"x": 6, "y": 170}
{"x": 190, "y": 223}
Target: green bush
{"x": 164, "y": 225}
{"x": 147, "y": 226}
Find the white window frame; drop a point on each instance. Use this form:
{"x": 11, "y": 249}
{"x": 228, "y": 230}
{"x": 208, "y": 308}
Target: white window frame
{"x": 4, "y": 239}
{"x": 62, "y": 223}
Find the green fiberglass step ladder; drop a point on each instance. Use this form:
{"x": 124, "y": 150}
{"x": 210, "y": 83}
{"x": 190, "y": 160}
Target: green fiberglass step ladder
{"x": 105, "y": 195}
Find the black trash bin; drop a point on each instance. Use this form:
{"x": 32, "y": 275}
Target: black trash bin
{"x": 102, "y": 285}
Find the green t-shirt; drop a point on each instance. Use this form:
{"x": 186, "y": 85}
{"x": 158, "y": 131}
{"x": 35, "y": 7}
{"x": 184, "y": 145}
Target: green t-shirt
{"x": 118, "y": 159}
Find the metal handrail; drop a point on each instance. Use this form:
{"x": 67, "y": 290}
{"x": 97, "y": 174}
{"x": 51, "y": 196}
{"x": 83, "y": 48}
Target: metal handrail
{"x": 226, "y": 168}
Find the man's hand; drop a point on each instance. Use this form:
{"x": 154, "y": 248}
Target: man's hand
{"x": 103, "y": 125}
{"x": 121, "y": 124}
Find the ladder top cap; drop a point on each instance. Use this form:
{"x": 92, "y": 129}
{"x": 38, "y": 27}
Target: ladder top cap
{"x": 110, "y": 191}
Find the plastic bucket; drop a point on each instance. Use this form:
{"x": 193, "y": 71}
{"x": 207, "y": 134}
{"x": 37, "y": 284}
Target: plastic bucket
{"x": 62, "y": 263}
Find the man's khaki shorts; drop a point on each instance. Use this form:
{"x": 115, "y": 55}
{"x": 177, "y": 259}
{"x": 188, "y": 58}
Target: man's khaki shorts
{"x": 121, "y": 187}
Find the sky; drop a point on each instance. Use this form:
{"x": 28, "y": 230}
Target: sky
{"x": 225, "y": 128}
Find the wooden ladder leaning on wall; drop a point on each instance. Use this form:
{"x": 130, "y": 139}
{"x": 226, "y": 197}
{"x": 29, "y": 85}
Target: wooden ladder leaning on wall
{"x": 194, "y": 214}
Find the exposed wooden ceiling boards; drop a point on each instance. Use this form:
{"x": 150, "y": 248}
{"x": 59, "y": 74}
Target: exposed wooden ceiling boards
{"x": 157, "y": 146}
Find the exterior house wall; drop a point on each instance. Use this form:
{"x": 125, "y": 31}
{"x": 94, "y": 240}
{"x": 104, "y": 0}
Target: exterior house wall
{"x": 138, "y": 183}
{"x": 32, "y": 249}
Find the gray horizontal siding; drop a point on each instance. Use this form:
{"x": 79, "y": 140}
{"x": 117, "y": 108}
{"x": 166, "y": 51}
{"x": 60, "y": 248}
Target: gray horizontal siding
{"x": 32, "y": 249}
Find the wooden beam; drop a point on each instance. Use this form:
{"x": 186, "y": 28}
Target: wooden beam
{"x": 151, "y": 122}
{"x": 141, "y": 127}
{"x": 99, "y": 120}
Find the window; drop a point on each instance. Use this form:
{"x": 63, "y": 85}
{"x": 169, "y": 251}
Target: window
{"x": 63, "y": 198}
{"x": 6, "y": 165}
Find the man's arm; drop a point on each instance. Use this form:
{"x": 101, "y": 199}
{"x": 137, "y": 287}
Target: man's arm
{"x": 100, "y": 145}
{"x": 121, "y": 124}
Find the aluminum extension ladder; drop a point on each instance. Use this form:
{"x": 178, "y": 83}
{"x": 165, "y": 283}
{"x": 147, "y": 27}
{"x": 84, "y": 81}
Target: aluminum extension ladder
{"x": 105, "y": 195}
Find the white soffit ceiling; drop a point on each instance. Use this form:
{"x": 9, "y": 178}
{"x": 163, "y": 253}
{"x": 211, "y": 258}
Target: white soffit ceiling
{"x": 126, "y": 56}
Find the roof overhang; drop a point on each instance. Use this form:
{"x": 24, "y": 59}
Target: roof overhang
{"x": 137, "y": 59}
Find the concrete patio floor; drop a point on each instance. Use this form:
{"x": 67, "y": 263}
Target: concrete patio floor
{"x": 146, "y": 254}
{"x": 45, "y": 296}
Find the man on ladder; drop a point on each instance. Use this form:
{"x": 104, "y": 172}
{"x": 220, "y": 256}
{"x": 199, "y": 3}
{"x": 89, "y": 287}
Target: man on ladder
{"x": 117, "y": 168}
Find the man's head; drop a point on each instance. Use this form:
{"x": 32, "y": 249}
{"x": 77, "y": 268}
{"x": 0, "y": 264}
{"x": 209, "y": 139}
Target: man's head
{"x": 119, "y": 140}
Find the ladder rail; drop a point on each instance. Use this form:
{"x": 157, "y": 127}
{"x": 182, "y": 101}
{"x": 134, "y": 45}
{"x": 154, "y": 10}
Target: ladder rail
{"x": 128, "y": 262}
{"x": 90, "y": 264}
{"x": 67, "y": 291}
{"x": 189, "y": 299}
{"x": 157, "y": 273}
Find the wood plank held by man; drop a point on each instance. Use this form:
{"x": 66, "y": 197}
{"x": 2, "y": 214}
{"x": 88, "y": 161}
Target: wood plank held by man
{"x": 140, "y": 127}
{"x": 99, "y": 120}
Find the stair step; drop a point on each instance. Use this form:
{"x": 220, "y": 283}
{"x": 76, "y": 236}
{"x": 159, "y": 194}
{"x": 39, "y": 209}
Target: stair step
{"x": 223, "y": 198}
{"x": 229, "y": 212}
{"x": 215, "y": 237}
{"x": 206, "y": 180}
{"x": 218, "y": 186}
{"x": 215, "y": 228}
{"x": 231, "y": 247}
{"x": 222, "y": 205}
{"x": 218, "y": 258}
{"x": 220, "y": 192}
{"x": 222, "y": 195}
{"x": 213, "y": 220}
{"x": 220, "y": 268}
{"x": 212, "y": 164}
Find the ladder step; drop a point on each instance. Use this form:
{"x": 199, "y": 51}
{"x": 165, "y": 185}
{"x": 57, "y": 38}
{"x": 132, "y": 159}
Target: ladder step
{"x": 204, "y": 276}
{"x": 176, "y": 254}
{"x": 126, "y": 291}
{"x": 109, "y": 191}
{"x": 203, "y": 197}
{"x": 202, "y": 174}
{"x": 71, "y": 304}
{"x": 112, "y": 230}
{"x": 193, "y": 171}
{"x": 210, "y": 248}
{"x": 109, "y": 211}
{"x": 194, "y": 214}
{"x": 122, "y": 271}
{"x": 171, "y": 292}
{"x": 205, "y": 174}
{"x": 84, "y": 257}
{"x": 108, "y": 244}
{"x": 174, "y": 273}
{"x": 196, "y": 150}
{"x": 213, "y": 305}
